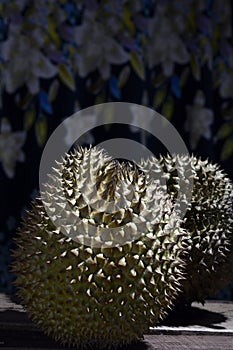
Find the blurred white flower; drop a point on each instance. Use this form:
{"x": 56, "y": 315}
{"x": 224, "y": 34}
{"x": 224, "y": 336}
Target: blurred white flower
{"x": 98, "y": 49}
{"x": 74, "y": 129}
{"x": 199, "y": 120}
{"x": 10, "y": 148}
{"x": 139, "y": 118}
{"x": 25, "y": 63}
{"x": 165, "y": 45}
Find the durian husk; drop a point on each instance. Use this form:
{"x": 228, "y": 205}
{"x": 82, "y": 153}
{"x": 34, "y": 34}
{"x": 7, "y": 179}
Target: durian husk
{"x": 208, "y": 220}
{"x": 99, "y": 295}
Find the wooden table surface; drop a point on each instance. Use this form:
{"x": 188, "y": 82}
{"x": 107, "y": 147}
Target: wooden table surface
{"x": 199, "y": 328}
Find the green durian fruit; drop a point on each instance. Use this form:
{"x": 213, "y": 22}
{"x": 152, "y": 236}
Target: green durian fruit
{"x": 208, "y": 219}
{"x": 93, "y": 287}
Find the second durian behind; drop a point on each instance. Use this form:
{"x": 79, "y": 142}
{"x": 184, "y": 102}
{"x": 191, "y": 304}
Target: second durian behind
{"x": 208, "y": 219}
{"x": 98, "y": 289}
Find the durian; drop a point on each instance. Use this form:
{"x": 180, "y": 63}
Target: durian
{"x": 90, "y": 288}
{"x": 208, "y": 219}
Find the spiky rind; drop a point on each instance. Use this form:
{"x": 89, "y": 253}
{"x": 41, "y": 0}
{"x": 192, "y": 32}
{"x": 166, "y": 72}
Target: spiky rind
{"x": 208, "y": 219}
{"x": 96, "y": 295}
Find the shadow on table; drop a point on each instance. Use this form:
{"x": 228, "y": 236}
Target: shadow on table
{"x": 193, "y": 316}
